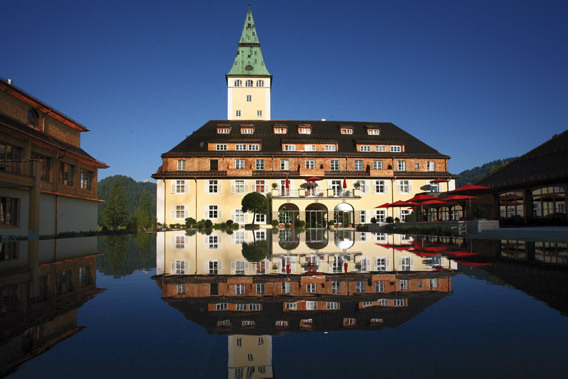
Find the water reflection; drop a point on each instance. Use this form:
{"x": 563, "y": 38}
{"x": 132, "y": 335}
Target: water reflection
{"x": 254, "y": 285}
{"x": 42, "y": 284}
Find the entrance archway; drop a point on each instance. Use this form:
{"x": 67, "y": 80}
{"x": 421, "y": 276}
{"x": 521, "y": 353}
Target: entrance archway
{"x": 343, "y": 214}
{"x": 288, "y": 213}
{"x": 316, "y": 215}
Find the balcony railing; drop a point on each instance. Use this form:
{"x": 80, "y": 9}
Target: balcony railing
{"x": 316, "y": 193}
{"x": 20, "y": 167}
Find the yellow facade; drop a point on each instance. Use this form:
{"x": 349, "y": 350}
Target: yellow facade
{"x": 248, "y": 102}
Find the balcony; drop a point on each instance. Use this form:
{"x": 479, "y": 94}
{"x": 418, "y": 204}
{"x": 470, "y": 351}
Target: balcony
{"x": 316, "y": 193}
{"x": 16, "y": 173}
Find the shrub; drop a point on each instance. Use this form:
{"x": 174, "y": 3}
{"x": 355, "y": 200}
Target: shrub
{"x": 275, "y": 223}
{"x": 208, "y": 224}
{"x": 390, "y": 220}
{"x": 189, "y": 222}
{"x": 331, "y": 222}
{"x": 235, "y": 226}
{"x": 229, "y": 223}
{"x": 373, "y": 220}
{"x": 299, "y": 223}
{"x": 396, "y": 219}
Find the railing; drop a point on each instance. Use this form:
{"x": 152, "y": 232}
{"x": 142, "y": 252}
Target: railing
{"x": 17, "y": 167}
{"x": 312, "y": 193}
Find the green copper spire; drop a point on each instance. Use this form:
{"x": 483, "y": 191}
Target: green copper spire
{"x": 248, "y": 61}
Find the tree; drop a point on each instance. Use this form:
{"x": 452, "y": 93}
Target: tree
{"x": 256, "y": 203}
{"x": 255, "y": 251}
{"x": 115, "y": 210}
{"x": 144, "y": 212}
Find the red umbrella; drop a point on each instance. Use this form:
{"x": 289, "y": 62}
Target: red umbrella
{"x": 470, "y": 187}
{"x": 474, "y": 264}
{"x": 400, "y": 203}
{"x": 461, "y": 253}
{"x": 422, "y": 197}
{"x": 433, "y": 202}
{"x": 459, "y": 197}
{"x": 424, "y": 254}
{"x": 313, "y": 179}
{"x": 287, "y": 182}
{"x": 385, "y": 205}
{"x": 344, "y": 183}
{"x": 439, "y": 180}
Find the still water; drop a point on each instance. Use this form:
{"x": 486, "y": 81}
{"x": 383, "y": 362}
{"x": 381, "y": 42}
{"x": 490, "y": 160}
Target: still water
{"x": 315, "y": 304}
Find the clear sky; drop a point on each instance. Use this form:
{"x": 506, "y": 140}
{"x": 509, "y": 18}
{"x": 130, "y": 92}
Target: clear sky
{"x": 476, "y": 80}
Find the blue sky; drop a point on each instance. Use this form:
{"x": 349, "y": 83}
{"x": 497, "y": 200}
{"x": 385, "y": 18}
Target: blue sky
{"x": 476, "y": 80}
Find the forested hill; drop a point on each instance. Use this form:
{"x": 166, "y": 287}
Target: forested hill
{"x": 477, "y": 173}
{"x": 132, "y": 191}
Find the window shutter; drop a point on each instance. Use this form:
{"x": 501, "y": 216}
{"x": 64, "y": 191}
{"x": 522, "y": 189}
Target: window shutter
{"x": 233, "y": 187}
{"x": 386, "y": 186}
{"x": 253, "y": 268}
{"x": 173, "y": 211}
{"x": 233, "y": 214}
{"x": 388, "y": 264}
{"x": 206, "y": 267}
{"x": 219, "y": 188}
{"x": 246, "y": 186}
{"x": 185, "y": 186}
{"x": 173, "y": 267}
{"x": 411, "y": 264}
{"x": 219, "y": 268}
{"x": 173, "y": 186}
{"x": 233, "y": 267}
{"x": 330, "y": 264}
{"x": 410, "y": 186}
{"x": 358, "y": 217}
{"x": 206, "y": 186}
{"x": 246, "y": 268}
{"x": 219, "y": 211}
{"x": 399, "y": 266}
{"x": 206, "y": 212}
{"x": 397, "y": 183}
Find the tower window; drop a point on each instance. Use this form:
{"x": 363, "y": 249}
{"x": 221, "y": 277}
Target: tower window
{"x": 259, "y": 83}
{"x": 238, "y": 83}
{"x": 249, "y": 98}
{"x": 238, "y": 113}
{"x": 248, "y": 83}
{"x": 259, "y": 113}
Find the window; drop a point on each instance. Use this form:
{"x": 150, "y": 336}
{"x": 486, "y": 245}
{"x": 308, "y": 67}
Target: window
{"x": 212, "y": 242}
{"x": 238, "y": 83}
{"x": 404, "y": 186}
{"x": 221, "y": 147}
{"x": 381, "y": 264}
{"x": 363, "y": 215}
{"x": 249, "y": 98}
{"x": 260, "y": 340}
{"x": 398, "y": 303}
{"x": 213, "y": 164}
{"x": 180, "y": 186}
{"x": 380, "y": 148}
{"x": 223, "y": 130}
{"x": 380, "y": 215}
{"x": 181, "y": 165}
{"x": 380, "y": 286}
{"x": 395, "y": 149}
{"x": 260, "y": 82}
{"x": 292, "y": 306}
{"x": 417, "y": 166}
{"x": 213, "y": 212}
{"x": 335, "y": 165}
{"x": 260, "y": 218}
{"x": 404, "y": 285}
{"x": 401, "y": 165}
{"x": 373, "y": 132}
{"x": 260, "y": 186}
{"x": 240, "y": 164}
{"x": 332, "y": 305}
{"x": 404, "y": 213}
{"x": 259, "y": 113}
{"x": 434, "y": 283}
{"x": 254, "y": 147}
{"x": 285, "y": 287}
{"x": 254, "y": 307}
{"x": 336, "y": 187}
{"x": 309, "y": 147}
{"x": 405, "y": 264}
{"x": 239, "y": 289}
{"x": 239, "y": 186}
{"x": 349, "y": 321}
{"x": 240, "y": 147}
{"x": 239, "y": 342}
{"x": 279, "y": 130}
{"x": 289, "y": 147}
{"x": 247, "y": 130}
{"x": 259, "y": 165}
{"x": 221, "y": 306}
{"x": 381, "y": 186}
{"x": 179, "y": 267}
{"x": 383, "y": 302}
{"x": 330, "y": 148}
{"x": 365, "y": 148}
{"x": 304, "y": 130}
{"x": 346, "y": 131}
{"x": 248, "y": 83}
{"x": 311, "y": 288}
{"x": 358, "y": 165}
{"x": 238, "y": 113}
{"x": 363, "y": 186}
{"x": 239, "y": 216}
{"x": 367, "y": 304}
{"x": 377, "y": 165}
{"x": 260, "y": 288}
{"x": 431, "y": 166}
{"x": 360, "y": 286}
{"x": 250, "y": 358}
{"x": 213, "y": 270}
{"x": 284, "y": 165}
{"x": 213, "y": 186}
{"x": 310, "y": 165}
{"x": 311, "y": 305}
{"x": 181, "y": 289}
{"x": 180, "y": 212}
{"x": 66, "y": 174}
{"x": 45, "y": 164}
{"x": 281, "y": 324}
{"x": 336, "y": 288}
{"x": 86, "y": 179}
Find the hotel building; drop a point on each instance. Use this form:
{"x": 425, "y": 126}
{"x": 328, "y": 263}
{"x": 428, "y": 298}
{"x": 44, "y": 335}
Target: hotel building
{"x": 314, "y": 171}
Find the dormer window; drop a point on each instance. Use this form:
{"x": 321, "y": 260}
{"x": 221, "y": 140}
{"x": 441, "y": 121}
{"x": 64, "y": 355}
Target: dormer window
{"x": 247, "y": 130}
{"x": 259, "y": 83}
{"x": 396, "y": 149}
{"x": 248, "y": 83}
{"x": 278, "y": 129}
{"x": 381, "y": 148}
{"x": 304, "y": 129}
{"x": 238, "y": 83}
{"x": 373, "y": 132}
{"x": 289, "y": 147}
{"x": 223, "y": 129}
{"x": 365, "y": 148}
{"x": 346, "y": 130}
{"x": 221, "y": 147}
{"x": 330, "y": 148}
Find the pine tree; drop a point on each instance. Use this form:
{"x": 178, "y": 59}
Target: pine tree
{"x": 144, "y": 212}
{"x": 115, "y": 210}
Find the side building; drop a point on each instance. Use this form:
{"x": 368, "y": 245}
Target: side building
{"x": 48, "y": 183}
{"x": 315, "y": 171}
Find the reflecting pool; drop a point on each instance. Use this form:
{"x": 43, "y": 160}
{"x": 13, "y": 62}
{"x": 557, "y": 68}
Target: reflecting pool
{"x": 260, "y": 304}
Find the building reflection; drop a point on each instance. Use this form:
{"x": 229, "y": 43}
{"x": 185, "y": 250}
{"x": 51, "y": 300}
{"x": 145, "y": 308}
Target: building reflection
{"x": 42, "y": 285}
{"x": 313, "y": 281}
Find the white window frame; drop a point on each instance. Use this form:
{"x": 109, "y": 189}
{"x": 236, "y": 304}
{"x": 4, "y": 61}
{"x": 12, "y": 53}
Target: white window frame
{"x": 259, "y": 82}
{"x": 380, "y": 148}
{"x": 254, "y": 147}
{"x": 239, "y": 216}
{"x": 238, "y": 113}
{"x": 311, "y": 305}
{"x": 212, "y": 242}
{"x": 285, "y": 288}
{"x": 179, "y": 212}
{"x": 181, "y": 164}
{"x": 401, "y": 165}
{"x": 240, "y": 289}
{"x": 358, "y": 165}
{"x": 304, "y": 130}
{"x": 404, "y": 186}
{"x": 179, "y": 186}
{"x": 292, "y": 305}
{"x": 396, "y": 149}
{"x": 260, "y": 288}
{"x": 431, "y": 166}
{"x": 377, "y": 165}
{"x": 330, "y": 148}
{"x": 310, "y": 164}
{"x": 334, "y": 165}
{"x": 259, "y": 165}
{"x": 238, "y": 83}
{"x": 239, "y": 164}
{"x": 309, "y": 147}
{"x": 380, "y": 186}
{"x": 249, "y": 98}
{"x": 213, "y": 212}
{"x": 213, "y": 186}
{"x": 380, "y": 215}
{"x": 221, "y": 147}
{"x": 365, "y": 148}
{"x": 284, "y": 165}
{"x": 241, "y": 147}
{"x": 373, "y": 132}
{"x": 280, "y": 130}
{"x": 363, "y": 216}
{"x": 311, "y": 288}
{"x": 260, "y": 184}
{"x": 259, "y": 113}
{"x": 260, "y": 218}
{"x": 289, "y": 147}
{"x": 332, "y": 305}
{"x": 247, "y": 130}
{"x": 380, "y": 286}
{"x": 248, "y": 83}
{"x": 179, "y": 267}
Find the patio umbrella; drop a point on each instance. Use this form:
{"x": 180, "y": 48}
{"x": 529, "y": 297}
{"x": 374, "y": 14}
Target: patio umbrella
{"x": 458, "y": 198}
{"x": 422, "y": 197}
{"x": 470, "y": 187}
{"x": 287, "y": 182}
{"x": 439, "y": 180}
{"x": 313, "y": 179}
{"x": 473, "y": 264}
{"x": 344, "y": 183}
{"x": 385, "y": 205}
{"x": 461, "y": 253}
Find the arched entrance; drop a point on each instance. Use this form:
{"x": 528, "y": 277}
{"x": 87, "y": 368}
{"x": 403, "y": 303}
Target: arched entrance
{"x": 316, "y": 215}
{"x": 288, "y": 213}
{"x": 343, "y": 214}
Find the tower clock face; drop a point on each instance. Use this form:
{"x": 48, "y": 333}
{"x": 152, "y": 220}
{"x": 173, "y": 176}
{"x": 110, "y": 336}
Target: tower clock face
{"x": 248, "y": 68}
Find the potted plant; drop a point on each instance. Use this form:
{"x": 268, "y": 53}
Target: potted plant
{"x": 274, "y": 185}
{"x": 356, "y": 185}
{"x": 331, "y": 224}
